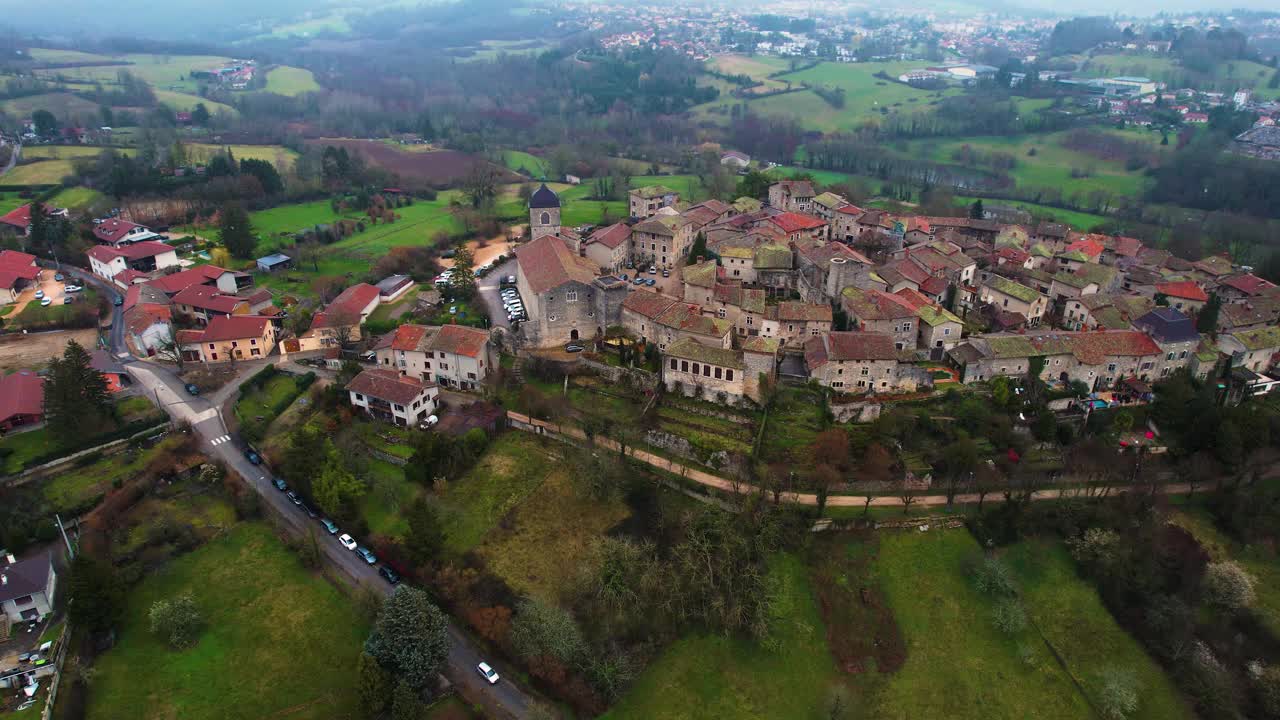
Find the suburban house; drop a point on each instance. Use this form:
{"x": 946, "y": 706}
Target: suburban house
{"x": 229, "y": 282}
{"x": 18, "y": 270}
{"x": 110, "y": 369}
{"x": 202, "y": 303}
{"x": 1014, "y": 297}
{"x": 452, "y": 355}
{"x": 118, "y": 233}
{"x": 148, "y": 327}
{"x": 609, "y": 247}
{"x": 1252, "y": 349}
{"x": 856, "y": 362}
{"x": 228, "y": 338}
{"x": 21, "y": 399}
{"x": 340, "y": 320}
{"x": 1183, "y": 295}
{"x": 393, "y": 396}
{"x": 564, "y": 297}
{"x": 792, "y": 196}
{"x": 136, "y": 261}
{"x": 646, "y": 201}
{"x": 27, "y": 587}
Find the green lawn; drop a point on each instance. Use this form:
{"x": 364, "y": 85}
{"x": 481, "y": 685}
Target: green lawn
{"x": 1072, "y": 617}
{"x": 50, "y": 55}
{"x": 389, "y": 494}
{"x": 186, "y": 102}
{"x": 76, "y": 198}
{"x": 256, "y": 410}
{"x": 58, "y": 103}
{"x": 1079, "y": 220}
{"x": 512, "y": 468}
{"x": 163, "y": 72}
{"x": 794, "y": 421}
{"x": 286, "y": 80}
{"x": 278, "y": 640}
{"x": 23, "y": 447}
{"x": 277, "y": 155}
{"x": 517, "y": 160}
{"x": 10, "y": 201}
{"x": 43, "y": 172}
{"x": 713, "y": 676}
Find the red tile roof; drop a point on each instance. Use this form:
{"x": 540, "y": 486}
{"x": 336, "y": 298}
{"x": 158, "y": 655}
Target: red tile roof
{"x": 347, "y": 307}
{"x": 612, "y": 236}
{"x": 183, "y": 279}
{"x": 1124, "y": 246}
{"x": 21, "y": 393}
{"x": 1249, "y": 284}
{"x": 15, "y": 266}
{"x": 14, "y": 260}
{"x": 388, "y": 385}
{"x": 1185, "y": 289}
{"x": 459, "y": 340}
{"x": 142, "y": 316}
{"x": 1013, "y": 255}
{"x": 837, "y": 346}
{"x": 850, "y": 209}
{"x": 233, "y": 327}
{"x": 111, "y": 231}
{"x": 1087, "y": 245}
{"x": 407, "y": 337}
{"x": 128, "y": 275}
{"x": 18, "y": 217}
{"x": 804, "y": 312}
{"x": 795, "y": 222}
{"x": 548, "y": 263}
{"x": 914, "y": 297}
{"x": 136, "y": 251}
{"x": 1093, "y": 348}
{"x": 207, "y": 297}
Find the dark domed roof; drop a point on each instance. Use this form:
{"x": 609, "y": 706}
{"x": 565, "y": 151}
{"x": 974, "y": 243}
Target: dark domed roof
{"x": 544, "y": 197}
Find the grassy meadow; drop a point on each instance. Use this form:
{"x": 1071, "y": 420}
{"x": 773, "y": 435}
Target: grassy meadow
{"x": 285, "y": 80}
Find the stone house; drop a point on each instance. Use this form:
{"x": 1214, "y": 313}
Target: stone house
{"x": 645, "y": 202}
{"x": 661, "y": 240}
{"x": 856, "y": 363}
{"x": 1175, "y": 334}
{"x": 641, "y": 310}
{"x": 739, "y": 263}
{"x": 393, "y": 396}
{"x": 881, "y": 312}
{"x": 826, "y": 204}
{"x": 824, "y": 270}
{"x": 1014, "y": 297}
{"x": 1185, "y": 295}
{"x": 773, "y": 264}
{"x": 683, "y": 320}
{"x": 1252, "y": 349}
{"x": 719, "y": 374}
{"x": 609, "y": 247}
{"x": 794, "y": 322}
{"x": 799, "y": 226}
{"x": 1242, "y": 288}
{"x": 792, "y": 196}
{"x": 452, "y": 356}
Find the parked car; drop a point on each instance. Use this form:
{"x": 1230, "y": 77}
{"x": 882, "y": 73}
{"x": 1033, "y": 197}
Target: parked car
{"x": 280, "y": 484}
{"x": 638, "y": 281}
{"x": 650, "y": 282}
{"x": 46, "y": 302}
{"x": 117, "y": 301}
{"x": 39, "y": 294}
{"x": 329, "y": 527}
{"x": 391, "y": 576}
{"x": 310, "y": 511}
{"x": 347, "y": 541}
{"x": 293, "y": 497}
{"x": 653, "y": 270}
{"x": 67, "y": 300}
{"x": 623, "y": 277}
{"x": 72, "y": 288}
{"x": 192, "y": 389}
{"x": 58, "y": 276}
{"x": 367, "y": 554}
{"x": 572, "y": 348}
{"x": 666, "y": 272}
{"x": 488, "y": 673}
{"x": 253, "y": 457}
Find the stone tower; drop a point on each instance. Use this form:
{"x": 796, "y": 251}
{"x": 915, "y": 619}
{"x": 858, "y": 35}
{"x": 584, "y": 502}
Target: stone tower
{"x": 544, "y": 213}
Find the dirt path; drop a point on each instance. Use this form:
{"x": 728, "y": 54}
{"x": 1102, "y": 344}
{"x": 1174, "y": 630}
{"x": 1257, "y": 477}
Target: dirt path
{"x": 561, "y": 432}
{"x": 36, "y": 349}
{"x": 496, "y": 245}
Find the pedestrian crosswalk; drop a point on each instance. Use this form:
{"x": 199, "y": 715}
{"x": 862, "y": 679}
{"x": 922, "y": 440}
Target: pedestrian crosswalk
{"x": 220, "y": 440}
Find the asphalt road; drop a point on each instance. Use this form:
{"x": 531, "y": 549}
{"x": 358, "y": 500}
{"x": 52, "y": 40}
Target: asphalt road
{"x": 504, "y": 699}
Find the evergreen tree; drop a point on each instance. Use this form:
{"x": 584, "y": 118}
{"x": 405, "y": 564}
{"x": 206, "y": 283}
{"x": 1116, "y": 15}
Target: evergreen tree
{"x": 336, "y": 489}
{"x": 200, "y": 115}
{"x": 76, "y": 404}
{"x": 426, "y": 534}
{"x": 266, "y": 173}
{"x": 976, "y": 210}
{"x": 1207, "y": 319}
{"x": 698, "y": 250}
{"x": 235, "y": 231}
{"x": 409, "y": 638}
{"x": 97, "y": 595}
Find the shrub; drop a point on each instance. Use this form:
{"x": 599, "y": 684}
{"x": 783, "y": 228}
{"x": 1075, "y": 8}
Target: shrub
{"x": 1119, "y": 695}
{"x": 995, "y": 578}
{"x": 1009, "y": 616}
{"x": 1228, "y": 586}
{"x": 177, "y": 620}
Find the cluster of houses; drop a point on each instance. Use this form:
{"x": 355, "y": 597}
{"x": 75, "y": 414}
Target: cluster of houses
{"x": 865, "y": 302}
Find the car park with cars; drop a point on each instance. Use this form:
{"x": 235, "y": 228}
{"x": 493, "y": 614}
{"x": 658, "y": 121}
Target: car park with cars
{"x": 347, "y": 541}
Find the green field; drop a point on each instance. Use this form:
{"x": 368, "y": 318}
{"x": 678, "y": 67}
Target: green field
{"x": 61, "y": 104}
{"x": 335, "y": 22}
{"x": 163, "y": 72}
{"x": 50, "y": 55}
{"x": 512, "y": 468}
{"x": 1072, "y": 617}
{"x": 285, "y": 80}
{"x": 491, "y": 49}
{"x": 757, "y": 67}
{"x": 185, "y": 102}
{"x": 44, "y": 172}
{"x": 24, "y": 446}
{"x": 10, "y": 201}
{"x": 76, "y": 198}
{"x": 63, "y": 152}
{"x": 518, "y": 160}
{"x": 1082, "y": 221}
{"x": 256, "y": 409}
{"x": 713, "y": 676}
{"x": 1257, "y": 560}
{"x": 35, "y": 313}
{"x": 299, "y": 635}
{"x": 277, "y": 155}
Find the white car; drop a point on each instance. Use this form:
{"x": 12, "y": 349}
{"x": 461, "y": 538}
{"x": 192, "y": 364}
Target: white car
{"x": 347, "y": 541}
{"x": 488, "y": 673}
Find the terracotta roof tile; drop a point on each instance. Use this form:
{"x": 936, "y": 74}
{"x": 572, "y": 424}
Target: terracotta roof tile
{"x": 388, "y": 385}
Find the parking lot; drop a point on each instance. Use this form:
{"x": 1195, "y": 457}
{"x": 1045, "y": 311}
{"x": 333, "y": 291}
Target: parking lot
{"x": 489, "y": 290}
{"x": 48, "y": 287}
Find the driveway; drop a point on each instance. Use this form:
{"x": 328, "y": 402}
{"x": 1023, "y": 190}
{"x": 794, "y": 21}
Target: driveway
{"x": 488, "y": 287}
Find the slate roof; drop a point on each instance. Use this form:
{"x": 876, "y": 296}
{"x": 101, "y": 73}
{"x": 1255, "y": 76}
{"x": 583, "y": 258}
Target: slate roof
{"x": 1166, "y": 324}
{"x": 690, "y": 349}
{"x": 25, "y": 577}
{"x": 543, "y": 198}
{"x": 388, "y": 385}
{"x": 548, "y": 263}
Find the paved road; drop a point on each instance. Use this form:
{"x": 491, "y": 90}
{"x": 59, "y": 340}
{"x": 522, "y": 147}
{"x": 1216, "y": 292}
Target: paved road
{"x": 503, "y": 700}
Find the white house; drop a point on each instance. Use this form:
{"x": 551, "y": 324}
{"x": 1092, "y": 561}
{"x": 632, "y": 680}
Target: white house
{"x": 394, "y": 397}
{"x": 136, "y": 259}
